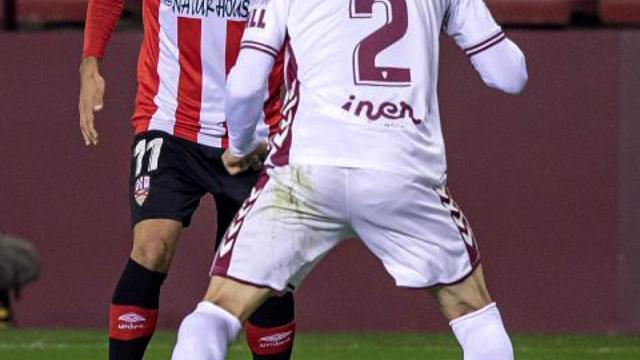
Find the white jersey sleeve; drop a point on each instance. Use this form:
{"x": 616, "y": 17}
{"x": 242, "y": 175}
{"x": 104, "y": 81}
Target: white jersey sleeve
{"x": 500, "y": 63}
{"x": 264, "y": 34}
{"x": 502, "y": 67}
{"x": 245, "y": 92}
{"x": 266, "y": 27}
{"x": 471, "y": 25}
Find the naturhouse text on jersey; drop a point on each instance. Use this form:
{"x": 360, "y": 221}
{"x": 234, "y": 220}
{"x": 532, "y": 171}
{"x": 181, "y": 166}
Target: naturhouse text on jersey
{"x": 232, "y": 9}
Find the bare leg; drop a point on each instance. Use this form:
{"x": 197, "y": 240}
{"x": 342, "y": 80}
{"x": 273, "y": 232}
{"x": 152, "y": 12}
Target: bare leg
{"x": 239, "y": 299}
{"x": 136, "y": 297}
{"x": 463, "y": 298}
{"x": 155, "y": 242}
{"x": 474, "y": 319}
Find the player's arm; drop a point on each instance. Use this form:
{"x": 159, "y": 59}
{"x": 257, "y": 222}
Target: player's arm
{"x": 498, "y": 60}
{"x": 247, "y": 82}
{"x": 246, "y": 87}
{"x": 102, "y": 18}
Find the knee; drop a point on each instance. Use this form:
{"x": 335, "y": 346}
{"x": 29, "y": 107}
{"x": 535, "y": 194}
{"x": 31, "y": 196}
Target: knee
{"x": 239, "y": 299}
{"x": 153, "y": 252}
{"x": 229, "y": 303}
{"x": 223, "y": 299}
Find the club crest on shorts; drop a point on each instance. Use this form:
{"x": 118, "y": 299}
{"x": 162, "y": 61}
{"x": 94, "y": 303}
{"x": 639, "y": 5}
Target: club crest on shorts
{"x": 141, "y": 189}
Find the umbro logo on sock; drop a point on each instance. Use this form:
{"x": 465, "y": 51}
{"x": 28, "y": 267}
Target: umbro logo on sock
{"x": 275, "y": 339}
{"x": 131, "y": 321}
{"x": 128, "y": 322}
{"x": 131, "y": 318}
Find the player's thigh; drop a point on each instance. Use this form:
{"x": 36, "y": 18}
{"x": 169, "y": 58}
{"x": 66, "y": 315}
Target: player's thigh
{"x": 155, "y": 242}
{"x": 162, "y": 183}
{"x": 229, "y": 192}
{"x": 226, "y": 209}
{"x": 291, "y": 219}
{"x": 462, "y": 298}
{"x": 163, "y": 196}
{"x": 232, "y": 192}
{"x": 416, "y": 230}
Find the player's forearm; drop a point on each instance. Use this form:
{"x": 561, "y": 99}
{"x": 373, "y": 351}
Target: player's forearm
{"x": 502, "y": 66}
{"x": 246, "y": 88}
{"x": 102, "y": 18}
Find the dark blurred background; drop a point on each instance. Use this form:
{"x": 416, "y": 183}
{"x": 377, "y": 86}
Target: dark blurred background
{"x": 550, "y": 179}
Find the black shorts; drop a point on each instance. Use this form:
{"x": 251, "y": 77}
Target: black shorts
{"x": 170, "y": 175}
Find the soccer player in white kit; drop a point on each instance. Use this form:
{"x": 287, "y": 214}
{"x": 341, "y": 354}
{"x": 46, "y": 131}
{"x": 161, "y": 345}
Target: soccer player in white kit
{"x": 360, "y": 152}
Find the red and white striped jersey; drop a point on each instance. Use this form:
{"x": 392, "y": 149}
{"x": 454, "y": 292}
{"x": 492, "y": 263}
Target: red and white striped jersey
{"x": 188, "y": 49}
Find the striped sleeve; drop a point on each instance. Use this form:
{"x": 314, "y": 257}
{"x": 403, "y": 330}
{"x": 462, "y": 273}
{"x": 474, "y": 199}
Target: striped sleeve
{"x": 258, "y": 46}
{"x": 485, "y": 45}
{"x": 470, "y": 24}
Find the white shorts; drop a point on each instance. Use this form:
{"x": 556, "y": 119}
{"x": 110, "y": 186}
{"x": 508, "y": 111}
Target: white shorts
{"x": 297, "y": 213}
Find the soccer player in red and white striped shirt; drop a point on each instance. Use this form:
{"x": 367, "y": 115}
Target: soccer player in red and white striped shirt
{"x": 180, "y": 134}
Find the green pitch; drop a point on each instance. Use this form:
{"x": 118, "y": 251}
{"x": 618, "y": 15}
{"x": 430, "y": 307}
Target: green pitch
{"x": 89, "y": 345}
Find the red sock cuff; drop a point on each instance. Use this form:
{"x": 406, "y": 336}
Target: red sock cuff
{"x": 270, "y": 341}
{"x": 131, "y": 322}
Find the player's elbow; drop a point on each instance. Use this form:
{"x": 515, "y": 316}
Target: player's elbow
{"x": 242, "y": 84}
{"x": 519, "y": 86}
{"x": 519, "y": 76}
{"x": 512, "y": 79}
{"x": 514, "y": 84}
{"x": 242, "y": 92}
{"x": 503, "y": 67}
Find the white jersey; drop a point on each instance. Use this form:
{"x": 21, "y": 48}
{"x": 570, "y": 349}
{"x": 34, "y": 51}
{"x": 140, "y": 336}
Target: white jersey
{"x": 362, "y": 78}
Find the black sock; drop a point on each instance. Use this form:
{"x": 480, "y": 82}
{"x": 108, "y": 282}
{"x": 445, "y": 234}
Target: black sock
{"x": 4, "y": 298}
{"x": 271, "y": 329}
{"x": 134, "y": 312}
{"x": 5, "y": 307}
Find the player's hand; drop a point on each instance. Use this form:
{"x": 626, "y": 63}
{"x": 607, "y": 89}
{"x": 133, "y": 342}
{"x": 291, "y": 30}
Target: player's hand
{"x": 91, "y": 98}
{"x": 257, "y": 161}
{"x": 254, "y": 160}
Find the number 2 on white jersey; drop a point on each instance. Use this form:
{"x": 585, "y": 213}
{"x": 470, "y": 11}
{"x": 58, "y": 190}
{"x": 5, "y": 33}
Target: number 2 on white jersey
{"x": 142, "y": 147}
{"x": 365, "y": 71}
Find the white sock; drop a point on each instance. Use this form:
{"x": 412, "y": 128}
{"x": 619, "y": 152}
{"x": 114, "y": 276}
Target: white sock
{"x": 206, "y": 333}
{"x": 482, "y": 335}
